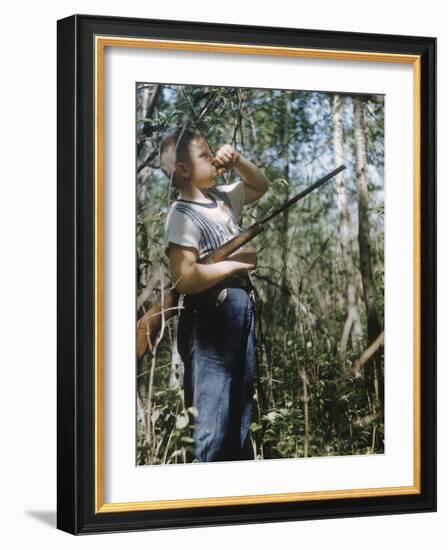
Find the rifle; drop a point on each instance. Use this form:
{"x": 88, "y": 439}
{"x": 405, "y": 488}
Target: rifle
{"x": 150, "y": 324}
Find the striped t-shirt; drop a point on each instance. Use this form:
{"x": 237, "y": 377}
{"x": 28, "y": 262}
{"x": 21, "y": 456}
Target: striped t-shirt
{"x": 205, "y": 226}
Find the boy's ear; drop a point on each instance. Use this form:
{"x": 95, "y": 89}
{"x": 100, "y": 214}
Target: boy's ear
{"x": 182, "y": 170}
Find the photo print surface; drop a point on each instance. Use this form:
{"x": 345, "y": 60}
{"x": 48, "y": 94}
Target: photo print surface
{"x": 274, "y": 350}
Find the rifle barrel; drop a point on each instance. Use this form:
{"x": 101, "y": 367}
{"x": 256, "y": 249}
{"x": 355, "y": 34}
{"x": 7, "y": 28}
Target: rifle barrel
{"x": 248, "y": 234}
{"x": 302, "y": 194}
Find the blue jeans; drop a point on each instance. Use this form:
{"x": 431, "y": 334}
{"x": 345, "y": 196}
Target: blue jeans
{"x": 216, "y": 341}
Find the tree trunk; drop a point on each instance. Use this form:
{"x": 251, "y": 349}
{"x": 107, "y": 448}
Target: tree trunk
{"x": 374, "y": 327}
{"x": 352, "y": 326}
{"x": 285, "y": 214}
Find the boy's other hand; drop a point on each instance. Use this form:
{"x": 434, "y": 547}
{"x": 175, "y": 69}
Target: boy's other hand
{"x": 246, "y": 256}
{"x": 226, "y": 157}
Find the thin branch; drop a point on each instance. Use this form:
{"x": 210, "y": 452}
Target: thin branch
{"x": 368, "y": 353}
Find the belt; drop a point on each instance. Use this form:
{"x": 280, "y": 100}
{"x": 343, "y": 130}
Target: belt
{"x": 234, "y": 281}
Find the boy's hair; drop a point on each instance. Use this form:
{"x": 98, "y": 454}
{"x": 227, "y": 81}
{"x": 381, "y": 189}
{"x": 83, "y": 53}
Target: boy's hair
{"x": 175, "y": 148}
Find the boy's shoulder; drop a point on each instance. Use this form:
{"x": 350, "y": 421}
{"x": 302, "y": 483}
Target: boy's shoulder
{"x": 175, "y": 209}
{"x": 177, "y": 206}
{"x": 233, "y": 194}
{"x": 182, "y": 213}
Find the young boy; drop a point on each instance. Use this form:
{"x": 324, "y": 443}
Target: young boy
{"x": 216, "y": 335}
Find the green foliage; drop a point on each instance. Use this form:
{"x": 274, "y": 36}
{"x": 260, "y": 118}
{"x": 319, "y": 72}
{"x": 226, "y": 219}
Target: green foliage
{"x": 308, "y": 400}
{"x": 280, "y": 432}
{"x": 172, "y": 431}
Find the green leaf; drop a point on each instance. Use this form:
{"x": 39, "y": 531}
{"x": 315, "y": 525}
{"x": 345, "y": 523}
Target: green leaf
{"x": 182, "y": 422}
{"x": 193, "y": 411}
{"x": 255, "y": 427}
{"x": 271, "y": 416}
{"x": 176, "y": 453}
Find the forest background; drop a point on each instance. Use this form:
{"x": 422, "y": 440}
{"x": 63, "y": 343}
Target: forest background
{"x": 319, "y": 387}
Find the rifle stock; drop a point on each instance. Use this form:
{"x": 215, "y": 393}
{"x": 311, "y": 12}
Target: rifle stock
{"x": 150, "y": 324}
{"x": 228, "y": 248}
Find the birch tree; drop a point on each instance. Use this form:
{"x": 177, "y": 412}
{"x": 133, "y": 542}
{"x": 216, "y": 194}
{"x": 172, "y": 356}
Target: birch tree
{"x": 352, "y": 325}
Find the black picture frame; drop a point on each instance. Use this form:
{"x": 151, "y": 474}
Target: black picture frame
{"x": 77, "y": 474}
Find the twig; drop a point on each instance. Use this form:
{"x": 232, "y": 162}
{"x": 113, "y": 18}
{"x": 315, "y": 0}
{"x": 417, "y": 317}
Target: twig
{"x": 157, "y": 368}
{"x": 167, "y": 447}
{"x": 141, "y": 411}
{"x": 196, "y": 117}
{"x": 151, "y": 436}
{"x": 367, "y": 354}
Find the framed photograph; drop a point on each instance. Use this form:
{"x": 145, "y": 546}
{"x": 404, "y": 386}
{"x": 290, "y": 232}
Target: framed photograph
{"x": 246, "y": 274}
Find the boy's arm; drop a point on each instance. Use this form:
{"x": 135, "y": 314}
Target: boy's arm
{"x": 255, "y": 182}
{"x": 189, "y": 277}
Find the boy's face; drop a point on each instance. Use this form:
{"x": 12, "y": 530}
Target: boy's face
{"x": 203, "y": 171}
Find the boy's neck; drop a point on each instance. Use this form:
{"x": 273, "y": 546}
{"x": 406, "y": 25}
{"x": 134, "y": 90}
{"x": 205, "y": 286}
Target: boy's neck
{"x": 193, "y": 193}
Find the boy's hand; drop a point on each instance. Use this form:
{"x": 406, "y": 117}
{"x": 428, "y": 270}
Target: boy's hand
{"x": 226, "y": 157}
{"x": 246, "y": 255}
